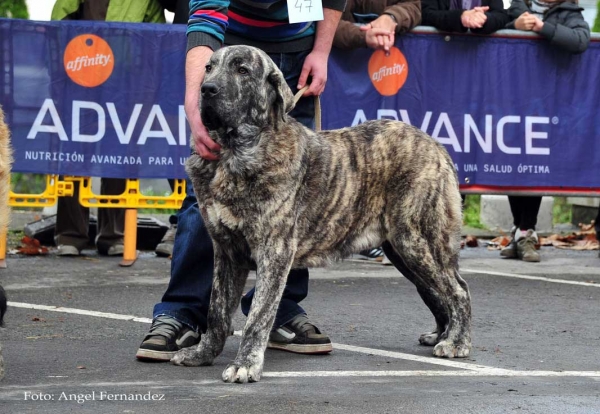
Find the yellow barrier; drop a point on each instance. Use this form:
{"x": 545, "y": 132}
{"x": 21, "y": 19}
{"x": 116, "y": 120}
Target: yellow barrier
{"x": 131, "y": 199}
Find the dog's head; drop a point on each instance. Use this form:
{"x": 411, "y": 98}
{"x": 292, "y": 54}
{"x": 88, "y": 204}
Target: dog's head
{"x": 243, "y": 87}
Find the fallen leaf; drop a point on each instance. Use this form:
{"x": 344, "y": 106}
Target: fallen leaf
{"x": 31, "y": 247}
{"x": 80, "y": 367}
{"x": 36, "y": 319}
{"x": 471, "y": 241}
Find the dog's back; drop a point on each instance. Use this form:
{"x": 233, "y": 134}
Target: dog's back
{"x": 361, "y": 179}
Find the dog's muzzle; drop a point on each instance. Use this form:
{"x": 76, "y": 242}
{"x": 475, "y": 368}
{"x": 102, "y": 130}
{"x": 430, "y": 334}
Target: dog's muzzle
{"x": 209, "y": 90}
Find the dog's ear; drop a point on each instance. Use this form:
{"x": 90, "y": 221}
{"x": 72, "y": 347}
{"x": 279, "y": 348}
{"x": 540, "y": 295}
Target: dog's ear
{"x": 284, "y": 101}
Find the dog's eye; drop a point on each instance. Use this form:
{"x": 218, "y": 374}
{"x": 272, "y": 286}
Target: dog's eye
{"x": 242, "y": 70}
{"x": 208, "y": 68}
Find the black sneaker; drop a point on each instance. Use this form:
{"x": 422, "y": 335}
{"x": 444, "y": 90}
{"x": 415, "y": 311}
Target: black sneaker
{"x": 300, "y": 336}
{"x": 166, "y": 337}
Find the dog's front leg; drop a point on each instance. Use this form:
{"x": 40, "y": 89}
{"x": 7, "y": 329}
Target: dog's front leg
{"x": 228, "y": 284}
{"x": 271, "y": 275}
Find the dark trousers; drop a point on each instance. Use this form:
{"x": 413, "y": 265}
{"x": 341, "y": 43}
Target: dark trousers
{"x": 73, "y": 220}
{"x": 188, "y": 294}
{"x": 525, "y": 211}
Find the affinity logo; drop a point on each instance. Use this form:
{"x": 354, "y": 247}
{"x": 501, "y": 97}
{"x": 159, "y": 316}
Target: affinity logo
{"x": 388, "y": 73}
{"x": 89, "y": 60}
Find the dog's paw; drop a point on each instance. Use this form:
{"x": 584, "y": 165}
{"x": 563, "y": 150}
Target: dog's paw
{"x": 242, "y": 373}
{"x": 449, "y": 349}
{"x": 429, "y": 339}
{"x": 191, "y": 357}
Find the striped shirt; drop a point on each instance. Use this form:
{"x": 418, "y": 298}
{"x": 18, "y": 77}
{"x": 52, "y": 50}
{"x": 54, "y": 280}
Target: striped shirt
{"x": 251, "y": 21}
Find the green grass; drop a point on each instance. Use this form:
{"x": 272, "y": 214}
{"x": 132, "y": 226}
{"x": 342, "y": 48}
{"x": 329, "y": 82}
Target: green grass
{"x": 561, "y": 211}
{"x": 471, "y": 211}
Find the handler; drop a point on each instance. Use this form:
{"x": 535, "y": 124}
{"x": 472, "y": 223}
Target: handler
{"x": 300, "y": 50}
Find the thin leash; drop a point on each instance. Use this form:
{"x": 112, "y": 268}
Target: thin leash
{"x": 317, "y": 107}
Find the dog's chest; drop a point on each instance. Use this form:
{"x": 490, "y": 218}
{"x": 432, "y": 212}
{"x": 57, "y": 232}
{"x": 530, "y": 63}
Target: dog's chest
{"x": 230, "y": 202}
{"x": 221, "y": 215}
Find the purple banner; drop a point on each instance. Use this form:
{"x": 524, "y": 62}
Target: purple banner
{"x": 106, "y": 99}
{"x": 511, "y": 112}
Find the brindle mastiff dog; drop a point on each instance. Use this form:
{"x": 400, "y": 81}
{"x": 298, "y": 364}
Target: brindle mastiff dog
{"x": 282, "y": 196}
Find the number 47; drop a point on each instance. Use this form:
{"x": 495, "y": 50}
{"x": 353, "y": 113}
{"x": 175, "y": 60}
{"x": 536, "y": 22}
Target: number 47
{"x": 299, "y": 4}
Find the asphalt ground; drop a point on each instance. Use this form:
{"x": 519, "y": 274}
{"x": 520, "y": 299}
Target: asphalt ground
{"x": 536, "y": 338}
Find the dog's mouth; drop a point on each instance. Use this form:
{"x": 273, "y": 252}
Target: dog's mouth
{"x": 210, "y": 118}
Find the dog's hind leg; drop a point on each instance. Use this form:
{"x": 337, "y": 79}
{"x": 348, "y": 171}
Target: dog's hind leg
{"x": 271, "y": 274}
{"x": 436, "y": 277}
{"x": 429, "y": 296}
{"x": 228, "y": 285}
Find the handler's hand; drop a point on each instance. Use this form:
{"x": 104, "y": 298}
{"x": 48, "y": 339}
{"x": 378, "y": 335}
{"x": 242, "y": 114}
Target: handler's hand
{"x": 315, "y": 65}
{"x": 195, "y": 62}
{"x": 203, "y": 143}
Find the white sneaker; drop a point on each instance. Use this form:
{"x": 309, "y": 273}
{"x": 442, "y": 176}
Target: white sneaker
{"x": 66, "y": 250}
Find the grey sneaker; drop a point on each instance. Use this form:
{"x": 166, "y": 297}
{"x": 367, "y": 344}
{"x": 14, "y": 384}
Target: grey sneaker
{"x": 165, "y": 247}
{"x": 116, "y": 250}
{"x": 166, "y": 337}
{"x": 510, "y": 251}
{"x": 66, "y": 250}
{"x": 300, "y": 336}
{"x": 526, "y": 247}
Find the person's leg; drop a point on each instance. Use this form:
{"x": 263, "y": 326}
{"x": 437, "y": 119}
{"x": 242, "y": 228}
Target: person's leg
{"x": 597, "y": 227}
{"x": 529, "y": 213}
{"x": 516, "y": 209}
{"x": 188, "y": 294}
{"x": 182, "y": 312}
{"x": 111, "y": 221}
{"x": 72, "y": 225}
{"x": 165, "y": 247}
{"x": 526, "y": 237}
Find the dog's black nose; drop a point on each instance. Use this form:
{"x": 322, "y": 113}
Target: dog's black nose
{"x": 209, "y": 90}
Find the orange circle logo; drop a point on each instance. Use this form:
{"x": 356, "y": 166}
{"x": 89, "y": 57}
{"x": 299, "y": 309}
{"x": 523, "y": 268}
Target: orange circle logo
{"x": 388, "y": 73}
{"x": 89, "y": 60}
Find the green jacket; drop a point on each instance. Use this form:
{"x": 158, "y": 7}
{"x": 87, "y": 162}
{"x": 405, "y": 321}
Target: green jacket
{"x": 135, "y": 11}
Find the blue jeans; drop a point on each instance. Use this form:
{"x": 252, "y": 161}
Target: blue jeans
{"x": 188, "y": 294}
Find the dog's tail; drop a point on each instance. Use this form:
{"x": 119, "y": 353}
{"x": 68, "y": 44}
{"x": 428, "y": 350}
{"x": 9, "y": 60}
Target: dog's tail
{"x": 2, "y": 305}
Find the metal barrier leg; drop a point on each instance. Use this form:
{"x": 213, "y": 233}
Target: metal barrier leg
{"x": 130, "y": 253}
{"x": 3, "y": 236}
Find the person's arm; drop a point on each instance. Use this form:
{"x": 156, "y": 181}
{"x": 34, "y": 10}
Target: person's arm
{"x": 349, "y": 36}
{"x": 572, "y": 36}
{"x": 445, "y": 20}
{"x": 315, "y": 64}
{"x": 205, "y": 33}
{"x": 207, "y": 24}
{"x": 497, "y": 18}
{"x": 406, "y": 13}
{"x": 517, "y": 8}
{"x": 195, "y": 63}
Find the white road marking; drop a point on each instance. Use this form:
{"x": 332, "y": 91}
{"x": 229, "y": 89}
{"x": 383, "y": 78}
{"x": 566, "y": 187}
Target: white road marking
{"x": 540, "y": 278}
{"x": 80, "y": 312}
{"x": 472, "y": 370}
{"x": 504, "y": 373}
{"x": 417, "y": 358}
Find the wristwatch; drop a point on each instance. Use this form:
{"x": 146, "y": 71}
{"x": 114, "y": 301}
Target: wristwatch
{"x": 393, "y": 17}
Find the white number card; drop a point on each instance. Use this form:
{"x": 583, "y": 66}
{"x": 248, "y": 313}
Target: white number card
{"x": 305, "y": 10}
